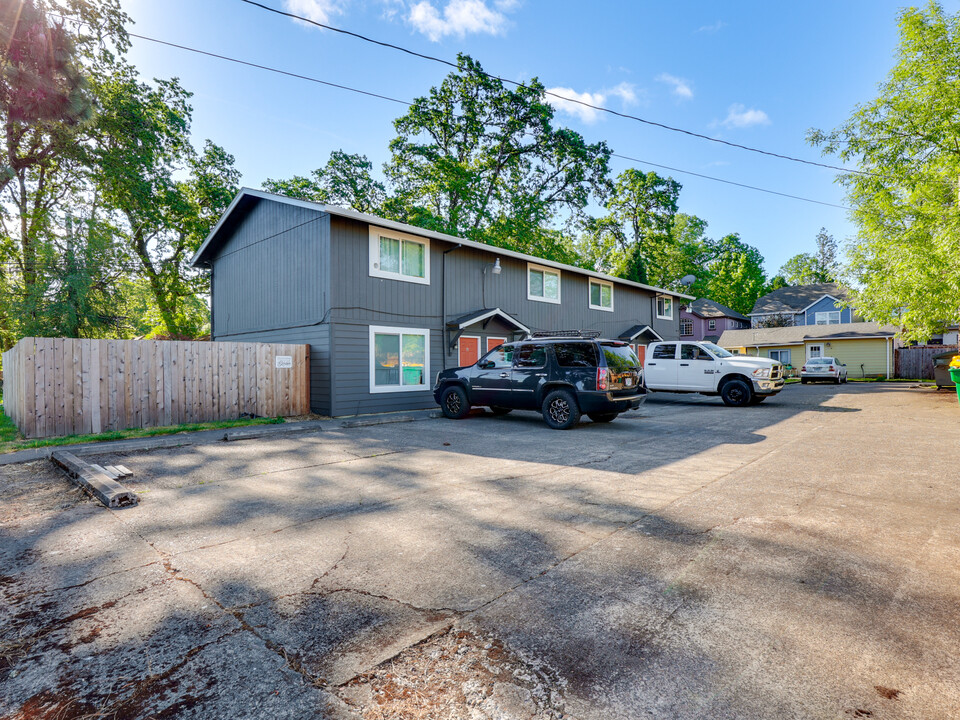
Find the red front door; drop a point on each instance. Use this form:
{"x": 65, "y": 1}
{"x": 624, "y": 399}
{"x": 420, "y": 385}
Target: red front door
{"x": 640, "y": 350}
{"x": 469, "y": 350}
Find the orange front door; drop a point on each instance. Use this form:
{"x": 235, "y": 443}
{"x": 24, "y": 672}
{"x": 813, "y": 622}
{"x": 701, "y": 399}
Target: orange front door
{"x": 493, "y": 342}
{"x": 641, "y": 350}
{"x": 469, "y": 350}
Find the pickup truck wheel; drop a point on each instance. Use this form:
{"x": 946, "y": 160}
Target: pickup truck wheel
{"x": 603, "y": 417}
{"x": 560, "y": 410}
{"x": 736, "y": 393}
{"x": 497, "y": 410}
{"x": 454, "y": 404}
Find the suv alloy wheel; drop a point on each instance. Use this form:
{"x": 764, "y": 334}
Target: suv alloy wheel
{"x": 560, "y": 410}
{"x": 454, "y": 403}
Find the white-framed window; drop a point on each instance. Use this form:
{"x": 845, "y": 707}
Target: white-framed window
{"x": 711, "y": 324}
{"x": 686, "y": 326}
{"x": 543, "y": 284}
{"x": 664, "y": 307}
{"x": 399, "y": 359}
{"x": 601, "y": 295}
{"x": 814, "y": 351}
{"x": 782, "y": 356}
{"x": 828, "y": 318}
{"x": 399, "y": 256}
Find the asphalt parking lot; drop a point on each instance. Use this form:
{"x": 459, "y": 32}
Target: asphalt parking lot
{"x": 797, "y": 559}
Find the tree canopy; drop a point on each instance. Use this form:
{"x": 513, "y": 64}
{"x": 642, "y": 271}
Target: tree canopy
{"x": 905, "y": 262}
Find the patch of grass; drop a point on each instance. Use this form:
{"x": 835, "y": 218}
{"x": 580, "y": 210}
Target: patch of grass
{"x": 9, "y": 441}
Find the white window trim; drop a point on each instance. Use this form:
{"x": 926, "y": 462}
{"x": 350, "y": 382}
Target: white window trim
{"x": 381, "y": 329}
{"x": 375, "y": 271}
{"x": 543, "y": 268}
{"x": 711, "y": 324}
{"x": 838, "y": 313}
{"x": 682, "y": 333}
{"x": 810, "y": 347}
{"x": 664, "y": 317}
{"x": 601, "y": 283}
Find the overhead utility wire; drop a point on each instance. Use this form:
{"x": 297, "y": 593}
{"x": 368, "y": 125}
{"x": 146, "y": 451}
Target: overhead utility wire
{"x": 599, "y": 108}
{"x": 404, "y": 102}
{"x": 728, "y": 182}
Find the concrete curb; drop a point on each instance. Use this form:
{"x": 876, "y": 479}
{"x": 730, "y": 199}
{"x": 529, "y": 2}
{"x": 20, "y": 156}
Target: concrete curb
{"x": 360, "y": 421}
{"x": 200, "y": 437}
{"x": 111, "y": 493}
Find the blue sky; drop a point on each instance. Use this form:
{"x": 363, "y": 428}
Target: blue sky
{"x": 755, "y": 73}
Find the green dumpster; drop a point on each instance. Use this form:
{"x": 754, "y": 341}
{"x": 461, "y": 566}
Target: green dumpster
{"x": 955, "y": 376}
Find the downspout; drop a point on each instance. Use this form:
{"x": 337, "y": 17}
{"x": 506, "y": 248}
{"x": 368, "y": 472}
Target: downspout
{"x": 887, "y": 348}
{"x": 443, "y": 301}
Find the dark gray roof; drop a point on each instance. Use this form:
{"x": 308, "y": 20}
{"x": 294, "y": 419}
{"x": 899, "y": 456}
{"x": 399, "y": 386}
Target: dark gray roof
{"x": 707, "y": 308}
{"x": 794, "y": 299}
{"x": 636, "y": 330}
{"x": 478, "y": 315}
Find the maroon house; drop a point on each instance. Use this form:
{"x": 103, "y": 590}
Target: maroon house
{"x": 705, "y": 319}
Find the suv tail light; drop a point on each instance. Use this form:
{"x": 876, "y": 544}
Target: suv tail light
{"x": 601, "y": 378}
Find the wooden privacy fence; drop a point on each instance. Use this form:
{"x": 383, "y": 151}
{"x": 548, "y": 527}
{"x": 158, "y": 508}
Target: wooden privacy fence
{"x": 55, "y": 386}
{"x": 917, "y": 361}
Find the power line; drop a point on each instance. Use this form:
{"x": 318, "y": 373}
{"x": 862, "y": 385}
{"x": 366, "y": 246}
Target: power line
{"x": 599, "y": 108}
{"x": 728, "y": 182}
{"x": 408, "y": 104}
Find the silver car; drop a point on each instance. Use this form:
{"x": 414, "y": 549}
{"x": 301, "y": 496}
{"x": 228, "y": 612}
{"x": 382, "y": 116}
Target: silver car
{"x": 823, "y": 368}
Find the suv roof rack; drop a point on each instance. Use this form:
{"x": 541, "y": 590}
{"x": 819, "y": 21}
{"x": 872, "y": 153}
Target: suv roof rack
{"x": 540, "y": 334}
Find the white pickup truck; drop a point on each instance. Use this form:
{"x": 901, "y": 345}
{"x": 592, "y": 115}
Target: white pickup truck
{"x": 702, "y": 367}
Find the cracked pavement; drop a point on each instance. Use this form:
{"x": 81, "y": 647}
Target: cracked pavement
{"x": 797, "y": 559}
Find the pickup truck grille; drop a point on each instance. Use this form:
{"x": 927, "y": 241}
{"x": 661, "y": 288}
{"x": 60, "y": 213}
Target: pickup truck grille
{"x": 776, "y": 372}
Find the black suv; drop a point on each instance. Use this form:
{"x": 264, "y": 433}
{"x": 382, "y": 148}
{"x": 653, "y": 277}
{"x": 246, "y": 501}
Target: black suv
{"x": 560, "y": 376}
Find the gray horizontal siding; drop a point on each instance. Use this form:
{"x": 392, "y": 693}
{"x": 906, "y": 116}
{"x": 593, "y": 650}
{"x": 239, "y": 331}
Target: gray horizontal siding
{"x": 358, "y": 297}
{"x": 318, "y": 338}
{"x": 273, "y": 270}
{"x": 351, "y": 373}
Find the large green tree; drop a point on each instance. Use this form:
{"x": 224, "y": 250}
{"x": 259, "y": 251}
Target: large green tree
{"x": 47, "y": 109}
{"x": 806, "y": 269}
{"x": 478, "y": 159}
{"x": 165, "y": 195}
{"x": 905, "y": 263}
{"x": 635, "y": 234}
{"x": 736, "y": 276}
{"x": 346, "y": 180}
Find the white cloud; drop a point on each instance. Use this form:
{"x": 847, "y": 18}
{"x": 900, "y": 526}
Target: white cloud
{"x": 317, "y": 10}
{"x": 586, "y": 114}
{"x": 738, "y": 116}
{"x": 626, "y": 92}
{"x": 716, "y": 27}
{"x": 681, "y": 87}
{"x": 459, "y": 17}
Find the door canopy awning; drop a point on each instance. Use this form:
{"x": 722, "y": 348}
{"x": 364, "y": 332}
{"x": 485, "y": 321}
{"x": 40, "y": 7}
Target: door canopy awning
{"x": 637, "y": 330}
{"x": 482, "y": 316}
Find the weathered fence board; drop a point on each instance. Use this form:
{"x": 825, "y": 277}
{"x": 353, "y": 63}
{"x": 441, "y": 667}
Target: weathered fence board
{"x": 56, "y": 386}
{"x": 917, "y": 361}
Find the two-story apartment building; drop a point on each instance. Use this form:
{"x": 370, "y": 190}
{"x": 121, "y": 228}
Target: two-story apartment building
{"x": 385, "y": 305}
{"x": 705, "y": 319}
{"x": 818, "y": 304}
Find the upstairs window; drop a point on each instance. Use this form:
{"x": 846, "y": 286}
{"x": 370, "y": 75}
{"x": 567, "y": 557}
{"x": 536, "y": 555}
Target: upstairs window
{"x": 686, "y": 326}
{"x": 601, "y": 295}
{"x": 543, "y": 284}
{"x": 664, "y": 307}
{"x": 399, "y": 256}
{"x": 711, "y": 324}
{"x": 828, "y": 318}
